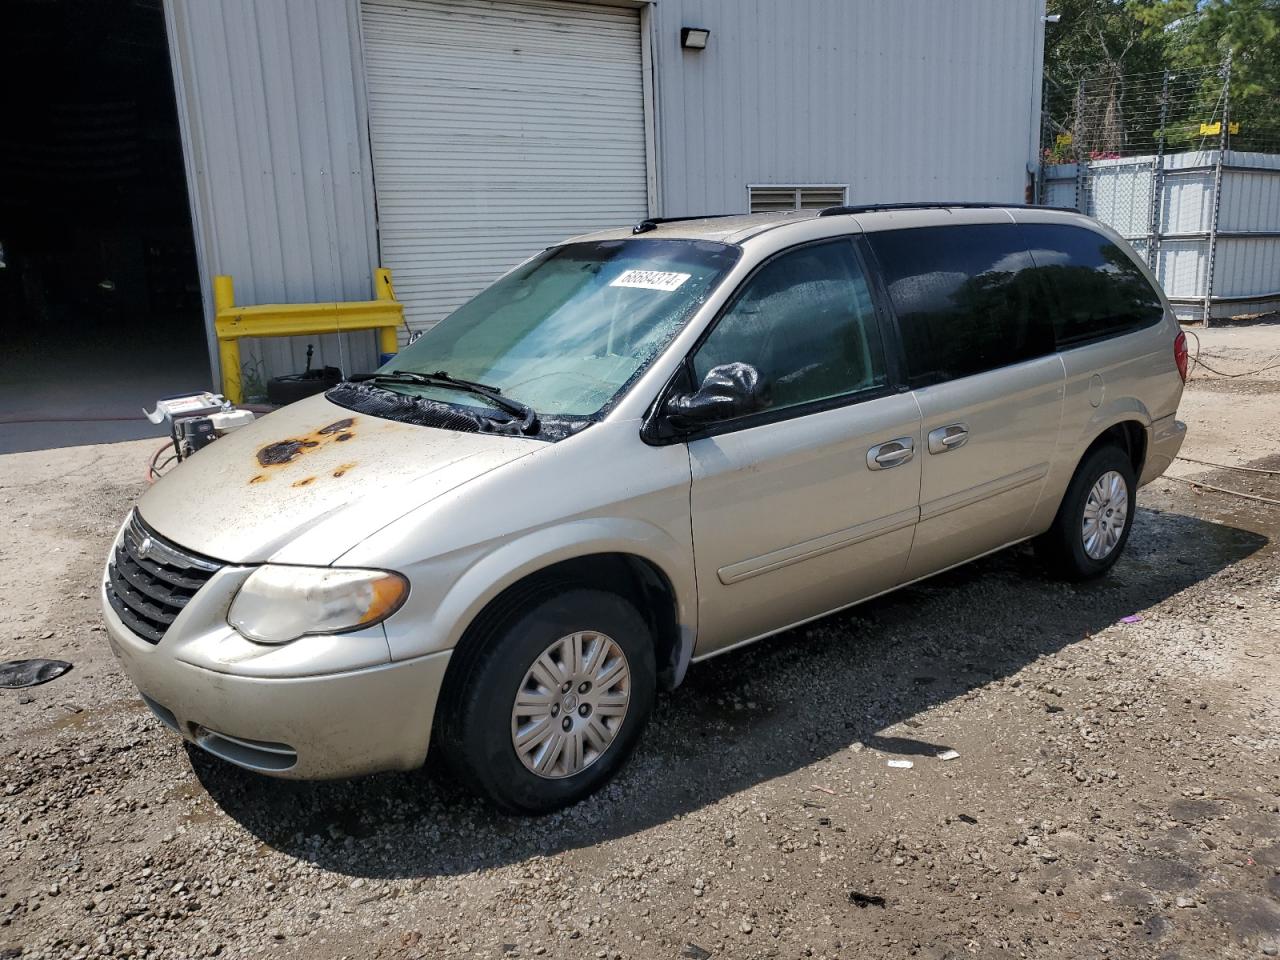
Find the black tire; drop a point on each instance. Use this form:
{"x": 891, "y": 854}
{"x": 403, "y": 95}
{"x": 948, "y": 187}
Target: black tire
{"x": 1062, "y": 547}
{"x": 299, "y": 386}
{"x": 474, "y": 719}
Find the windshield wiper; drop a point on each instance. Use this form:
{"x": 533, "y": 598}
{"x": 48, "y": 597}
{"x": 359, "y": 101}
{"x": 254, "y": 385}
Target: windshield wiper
{"x": 520, "y": 411}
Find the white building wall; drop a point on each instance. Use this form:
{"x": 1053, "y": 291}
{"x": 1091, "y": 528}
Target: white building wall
{"x": 901, "y": 100}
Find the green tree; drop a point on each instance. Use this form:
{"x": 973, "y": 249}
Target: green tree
{"x": 1201, "y": 33}
{"x": 1121, "y": 48}
{"x": 1104, "y": 43}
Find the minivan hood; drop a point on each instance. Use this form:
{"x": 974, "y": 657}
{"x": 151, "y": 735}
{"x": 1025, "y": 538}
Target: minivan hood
{"x": 318, "y": 468}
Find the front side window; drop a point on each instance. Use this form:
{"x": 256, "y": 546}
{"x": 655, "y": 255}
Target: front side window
{"x": 967, "y": 299}
{"x": 806, "y": 322}
{"x": 564, "y": 333}
{"x": 1096, "y": 289}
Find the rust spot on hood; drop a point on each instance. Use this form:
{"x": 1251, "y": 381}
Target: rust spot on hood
{"x": 286, "y": 451}
{"x": 304, "y": 481}
{"x": 283, "y": 451}
{"x": 343, "y": 469}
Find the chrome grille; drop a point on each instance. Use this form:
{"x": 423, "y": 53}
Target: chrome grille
{"x": 150, "y": 579}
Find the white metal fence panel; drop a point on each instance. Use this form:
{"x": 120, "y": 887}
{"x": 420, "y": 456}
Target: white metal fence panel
{"x": 1250, "y": 199}
{"x": 1243, "y": 243}
{"x": 1119, "y": 194}
{"x": 1247, "y": 267}
{"x": 1187, "y": 203}
{"x": 1058, "y": 188}
{"x": 1182, "y": 268}
{"x": 497, "y": 128}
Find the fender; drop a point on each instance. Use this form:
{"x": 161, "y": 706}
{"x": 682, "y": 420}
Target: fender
{"x": 1072, "y": 448}
{"x": 487, "y": 570}
{"x": 1108, "y": 415}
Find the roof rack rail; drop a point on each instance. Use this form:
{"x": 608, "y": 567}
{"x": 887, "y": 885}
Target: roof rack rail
{"x": 929, "y": 205}
{"x": 652, "y": 223}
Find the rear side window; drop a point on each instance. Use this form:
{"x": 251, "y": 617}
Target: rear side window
{"x": 1095, "y": 287}
{"x": 967, "y": 299}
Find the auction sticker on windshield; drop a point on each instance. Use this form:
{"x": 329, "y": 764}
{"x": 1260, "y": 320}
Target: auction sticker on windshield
{"x": 651, "y": 280}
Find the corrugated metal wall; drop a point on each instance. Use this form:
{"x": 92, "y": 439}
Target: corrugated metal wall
{"x": 1249, "y": 266}
{"x": 271, "y": 102}
{"x": 914, "y": 99}
{"x": 1247, "y": 262}
{"x": 496, "y": 136}
{"x": 1186, "y": 212}
{"x": 909, "y": 100}
{"x": 1059, "y": 187}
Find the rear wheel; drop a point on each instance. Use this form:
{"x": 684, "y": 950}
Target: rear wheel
{"x": 550, "y": 700}
{"x": 1096, "y": 516}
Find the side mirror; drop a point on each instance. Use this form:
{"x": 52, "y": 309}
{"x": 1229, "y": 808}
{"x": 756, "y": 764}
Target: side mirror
{"x": 729, "y": 390}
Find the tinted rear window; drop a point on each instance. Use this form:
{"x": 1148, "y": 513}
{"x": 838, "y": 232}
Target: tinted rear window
{"x": 1096, "y": 289}
{"x": 967, "y": 299}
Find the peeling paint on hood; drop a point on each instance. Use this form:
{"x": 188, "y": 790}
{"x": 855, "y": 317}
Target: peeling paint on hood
{"x": 312, "y": 464}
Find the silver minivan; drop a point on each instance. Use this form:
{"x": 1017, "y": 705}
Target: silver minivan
{"x": 639, "y": 449}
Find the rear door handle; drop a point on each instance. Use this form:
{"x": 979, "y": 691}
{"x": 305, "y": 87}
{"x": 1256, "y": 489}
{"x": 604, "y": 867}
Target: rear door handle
{"x": 950, "y": 437}
{"x": 891, "y": 453}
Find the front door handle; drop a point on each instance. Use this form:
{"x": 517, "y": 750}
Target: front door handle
{"x": 891, "y": 453}
{"x": 950, "y": 437}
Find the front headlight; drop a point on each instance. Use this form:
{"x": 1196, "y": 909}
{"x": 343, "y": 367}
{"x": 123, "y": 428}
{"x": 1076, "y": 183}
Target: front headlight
{"x": 278, "y": 603}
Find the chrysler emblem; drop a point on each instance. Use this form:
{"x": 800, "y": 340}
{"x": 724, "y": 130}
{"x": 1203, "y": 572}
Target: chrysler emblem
{"x": 144, "y": 548}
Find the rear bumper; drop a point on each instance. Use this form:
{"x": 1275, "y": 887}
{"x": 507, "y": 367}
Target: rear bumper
{"x": 1164, "y": 440}
{"x": 307, "y": 728}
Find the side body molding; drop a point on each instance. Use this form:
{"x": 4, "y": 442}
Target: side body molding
{"x": 744, "y": 570}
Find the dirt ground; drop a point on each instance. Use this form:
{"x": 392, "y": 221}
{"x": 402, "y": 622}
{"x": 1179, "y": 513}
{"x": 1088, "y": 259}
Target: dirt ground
{"x": 1116, "y": 793}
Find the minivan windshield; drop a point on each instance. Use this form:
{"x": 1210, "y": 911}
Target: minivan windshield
{"x": 565, "y": 332}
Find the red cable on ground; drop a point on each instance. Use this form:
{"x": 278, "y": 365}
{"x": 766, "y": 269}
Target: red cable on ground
{"x": 151, "y": 474}
{"x": 1234, "y": 493}
{"x": 1227, "y": 466}
{"x": 5, "y": 421}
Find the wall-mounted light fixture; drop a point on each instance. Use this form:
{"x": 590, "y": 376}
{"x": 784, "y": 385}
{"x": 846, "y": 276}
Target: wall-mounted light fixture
{"x": 694, "y": 38}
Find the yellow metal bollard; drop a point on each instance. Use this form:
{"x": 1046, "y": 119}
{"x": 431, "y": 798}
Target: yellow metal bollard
{"x": 383, "y": 290}
{"x": 387, "y": 342}
{"x": 224, "y": 299}
{"x": 224, "y": 293}
{"x": 384, "y": 314}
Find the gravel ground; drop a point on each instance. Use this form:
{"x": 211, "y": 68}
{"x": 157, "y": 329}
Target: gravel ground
{"x": 1116, "y": 792}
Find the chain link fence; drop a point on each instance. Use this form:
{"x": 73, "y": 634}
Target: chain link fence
{"x": 1159, "y": 158}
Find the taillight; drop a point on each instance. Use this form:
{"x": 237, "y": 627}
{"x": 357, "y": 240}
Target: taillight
{"x": 1180, "y": 354}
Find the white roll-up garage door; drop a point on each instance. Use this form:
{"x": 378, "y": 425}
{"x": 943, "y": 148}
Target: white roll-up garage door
{"x": 498, "y": 127}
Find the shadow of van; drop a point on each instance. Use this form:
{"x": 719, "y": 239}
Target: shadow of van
{"x": 749, "y": 716}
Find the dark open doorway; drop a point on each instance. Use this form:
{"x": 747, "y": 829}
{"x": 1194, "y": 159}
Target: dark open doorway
{"x": 99, "y": 290}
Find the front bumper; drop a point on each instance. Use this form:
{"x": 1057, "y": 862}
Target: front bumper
{"x": 339, "y": 724}
{"x": 1163, "y": 443}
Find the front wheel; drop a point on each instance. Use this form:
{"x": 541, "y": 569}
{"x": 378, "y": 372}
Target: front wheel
{"x": 551, "y": 700}
{"x": 1096, "y": 516}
